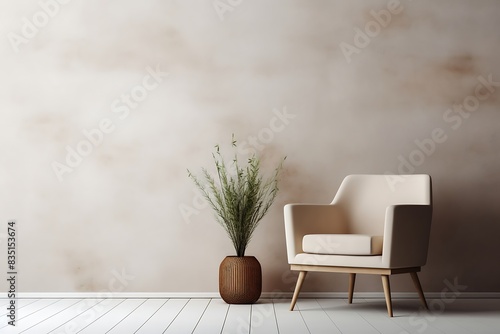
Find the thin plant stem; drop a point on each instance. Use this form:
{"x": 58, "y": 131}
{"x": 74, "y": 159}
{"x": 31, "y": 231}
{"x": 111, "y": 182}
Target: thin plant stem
{"x": 239, "y": 200}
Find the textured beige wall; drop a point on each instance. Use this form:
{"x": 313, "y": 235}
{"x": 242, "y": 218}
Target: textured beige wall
{"x": 349, "y": 103}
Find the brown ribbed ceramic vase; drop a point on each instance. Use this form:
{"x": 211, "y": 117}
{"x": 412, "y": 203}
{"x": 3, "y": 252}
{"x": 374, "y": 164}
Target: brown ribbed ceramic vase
{"x": 240, "y": 280}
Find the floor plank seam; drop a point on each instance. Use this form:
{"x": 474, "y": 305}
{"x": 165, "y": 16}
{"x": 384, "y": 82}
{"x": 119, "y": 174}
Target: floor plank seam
{"x": 333, "y": 322}
{"x": 38, "y": 310}
{"x": 119, "y": 322}
{"x": 79, "y": 314}
{"x": 225, "y": 319}
{"x": 52, "y": 315}
{"x": 202, "y": 314}
{"x": 101, "y": 316}
{"x": 305, "y": 323}
{"x": 180, "y": 311}
{"x": 275, "y": 317}
{"x": 250, "y": 320}
{"x": 152, "y": 315}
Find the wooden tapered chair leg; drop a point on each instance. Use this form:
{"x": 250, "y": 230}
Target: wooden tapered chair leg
{"x": 387, "y": 293}
{"x": 352, "y": 280}
{"x": 302, "y": 276}
{"x": 416, "y": 282}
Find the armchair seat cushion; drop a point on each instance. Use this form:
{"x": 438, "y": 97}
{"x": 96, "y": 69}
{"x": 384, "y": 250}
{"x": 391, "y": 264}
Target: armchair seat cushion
{"x": 342, "y": 244}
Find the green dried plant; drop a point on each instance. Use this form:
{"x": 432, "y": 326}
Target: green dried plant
{"x": 241, "y": 199}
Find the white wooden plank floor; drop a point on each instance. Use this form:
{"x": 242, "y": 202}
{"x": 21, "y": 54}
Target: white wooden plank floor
{"x": 213, "y": 316}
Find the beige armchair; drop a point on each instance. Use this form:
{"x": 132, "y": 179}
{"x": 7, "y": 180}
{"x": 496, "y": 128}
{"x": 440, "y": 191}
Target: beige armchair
{"x": 376, "y": 224}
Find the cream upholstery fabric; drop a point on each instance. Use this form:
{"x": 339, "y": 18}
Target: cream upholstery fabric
{"x": 397, "y": 207}
{"x": 342, "y": 244}
{"x": 374, "y": 261}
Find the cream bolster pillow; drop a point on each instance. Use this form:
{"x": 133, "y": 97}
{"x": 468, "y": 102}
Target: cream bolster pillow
{"x": 342, "y": 244}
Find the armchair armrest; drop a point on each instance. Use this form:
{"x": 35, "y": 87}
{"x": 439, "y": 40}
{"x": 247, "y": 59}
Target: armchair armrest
{"x": 406, "y": 235}
{"x": 302, "y": 219}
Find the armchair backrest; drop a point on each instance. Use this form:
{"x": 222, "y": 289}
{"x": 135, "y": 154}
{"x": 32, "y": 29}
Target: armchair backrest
{"x": 365, "y": 198}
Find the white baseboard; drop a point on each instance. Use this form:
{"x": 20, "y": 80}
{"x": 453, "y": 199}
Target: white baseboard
{"x": 265, "y": 295}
